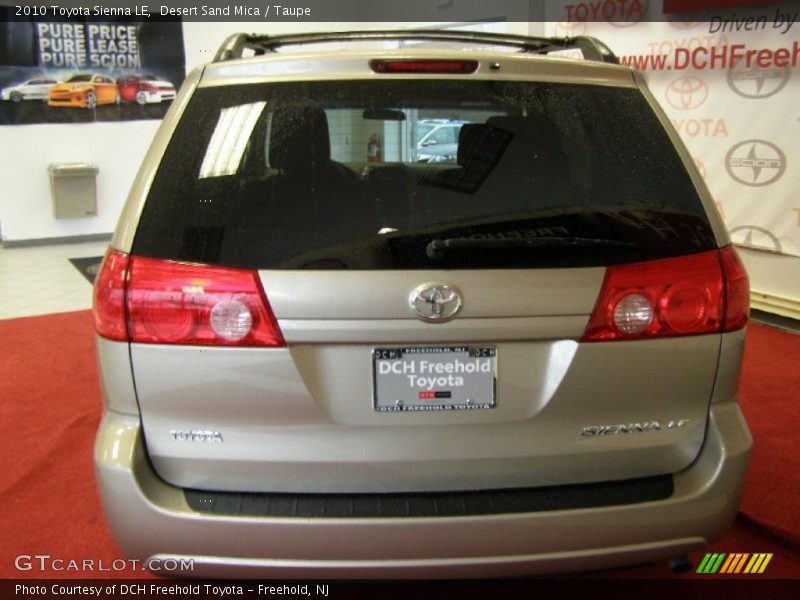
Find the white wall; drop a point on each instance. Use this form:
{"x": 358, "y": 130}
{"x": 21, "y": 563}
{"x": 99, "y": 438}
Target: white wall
{"x": 774, "y": 281}
{"x": 116, "y": 148}
{"x": 26, "y": 211}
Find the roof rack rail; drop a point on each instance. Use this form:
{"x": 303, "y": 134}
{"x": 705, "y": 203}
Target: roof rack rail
{"x": 237, "y": 44}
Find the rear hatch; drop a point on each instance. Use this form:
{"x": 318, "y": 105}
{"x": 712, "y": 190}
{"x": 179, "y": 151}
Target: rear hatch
{"x": 431, "y": 318}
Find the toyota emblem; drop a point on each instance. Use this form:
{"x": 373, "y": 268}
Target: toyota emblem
{"x": 435, "y": 302}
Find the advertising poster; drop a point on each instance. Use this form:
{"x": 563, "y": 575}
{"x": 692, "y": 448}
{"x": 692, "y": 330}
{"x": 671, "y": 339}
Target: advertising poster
{"x": 80, "y": 70}
{"x": 728, "y": 80}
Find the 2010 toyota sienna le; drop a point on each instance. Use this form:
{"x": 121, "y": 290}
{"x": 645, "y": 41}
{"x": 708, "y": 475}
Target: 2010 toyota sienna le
{"x": 315, "y": 364}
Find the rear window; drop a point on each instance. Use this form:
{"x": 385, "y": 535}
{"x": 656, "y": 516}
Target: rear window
{"x": 355, "y": 175}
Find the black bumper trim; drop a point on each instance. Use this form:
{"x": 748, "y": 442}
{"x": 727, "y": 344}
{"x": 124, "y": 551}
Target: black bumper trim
{"x": 432, "y": 504}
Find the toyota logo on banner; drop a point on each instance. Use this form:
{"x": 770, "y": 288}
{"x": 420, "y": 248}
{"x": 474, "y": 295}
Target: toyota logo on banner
{"x": 687, "y": 93}
{"x": 755, "y": 82}
{"x": 755, "y": 162}
{"x": 618, "y": 13}
{"x": 631, "y": 13}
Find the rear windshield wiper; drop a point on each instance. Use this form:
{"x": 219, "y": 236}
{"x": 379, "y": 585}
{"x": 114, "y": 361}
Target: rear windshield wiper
{"x": 436, "y": 249}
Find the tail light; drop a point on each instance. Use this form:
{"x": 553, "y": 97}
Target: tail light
{"x": 688, "y": 295}
{"x": 156, "y": 301}
{"x": 423, "y": 66}
{"x": 108, "y": 301}
{"x": 737, "y": 290}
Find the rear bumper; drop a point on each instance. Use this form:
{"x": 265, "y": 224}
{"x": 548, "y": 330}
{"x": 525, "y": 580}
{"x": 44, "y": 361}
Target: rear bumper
{"x": 152, "y": 520}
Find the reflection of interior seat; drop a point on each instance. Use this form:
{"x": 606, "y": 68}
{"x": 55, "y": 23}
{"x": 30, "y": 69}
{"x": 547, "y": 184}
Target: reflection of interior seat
{"x": 391, "y": 188}
{"x": 510, "y": 163}
{"x": 533, "y": 169}
{"x": 311, "y": 195}
{"x": 537, "y": 142}
{"x": 480, "y": 147}
{"x": 300, "y": 147}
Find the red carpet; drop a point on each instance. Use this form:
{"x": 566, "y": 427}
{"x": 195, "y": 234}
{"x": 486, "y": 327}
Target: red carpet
{"x": 770, "y": 393}
{"x": 51, "y": 406}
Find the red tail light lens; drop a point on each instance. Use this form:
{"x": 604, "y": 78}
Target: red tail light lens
{"x": 109, "y": 297}
{"x": 688, "y": 295}
{"x": 178, "y": 303}
{"x": 424, "y": 66}
{"x": 737, "y": 290}
{"x": 155, "y": 301}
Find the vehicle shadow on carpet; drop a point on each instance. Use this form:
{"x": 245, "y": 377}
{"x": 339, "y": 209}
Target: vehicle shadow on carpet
{"x": 88, "y": 266}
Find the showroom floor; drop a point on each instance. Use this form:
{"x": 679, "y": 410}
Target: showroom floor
{"x": 41, "y": 280}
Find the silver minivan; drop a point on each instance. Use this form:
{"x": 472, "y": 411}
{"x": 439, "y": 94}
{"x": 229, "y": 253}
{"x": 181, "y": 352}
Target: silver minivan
{"x": 319, "y": 365}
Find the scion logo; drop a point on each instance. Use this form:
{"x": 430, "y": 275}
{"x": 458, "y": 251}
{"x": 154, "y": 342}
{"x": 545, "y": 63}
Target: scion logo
{"x": 755, "y": 162}
{"x": 751, "y": 236}
{"x": 687, "y": 93}
{"x": 755, "y": 82}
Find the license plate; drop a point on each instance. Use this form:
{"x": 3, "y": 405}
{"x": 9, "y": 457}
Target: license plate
{"x": 434, "y": 378}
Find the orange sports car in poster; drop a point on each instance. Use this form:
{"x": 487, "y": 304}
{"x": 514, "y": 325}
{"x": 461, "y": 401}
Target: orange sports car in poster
{"x": 84, "y": 90}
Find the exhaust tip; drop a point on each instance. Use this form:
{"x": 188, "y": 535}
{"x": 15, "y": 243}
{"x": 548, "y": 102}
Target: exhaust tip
{"x": 680, "y": 565}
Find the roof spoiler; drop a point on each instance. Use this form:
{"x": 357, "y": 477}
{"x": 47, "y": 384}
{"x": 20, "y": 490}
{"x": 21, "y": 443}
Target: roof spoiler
{"x": 239, "y": 44}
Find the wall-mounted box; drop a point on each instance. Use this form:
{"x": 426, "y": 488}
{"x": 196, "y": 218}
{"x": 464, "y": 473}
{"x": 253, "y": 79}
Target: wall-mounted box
{"x": 73, "y": 187}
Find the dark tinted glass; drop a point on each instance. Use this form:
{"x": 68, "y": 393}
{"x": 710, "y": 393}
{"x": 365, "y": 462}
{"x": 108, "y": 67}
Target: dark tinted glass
{"x": 332, "y": 176}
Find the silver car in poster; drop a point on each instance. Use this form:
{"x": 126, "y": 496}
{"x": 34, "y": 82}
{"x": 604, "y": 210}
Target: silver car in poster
{"x": 33, "y": 89}
{"x": 316, "y": 364}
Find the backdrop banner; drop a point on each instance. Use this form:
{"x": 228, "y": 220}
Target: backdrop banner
{"x": 729, "y": 82}
{"x": 81, "y": 70}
